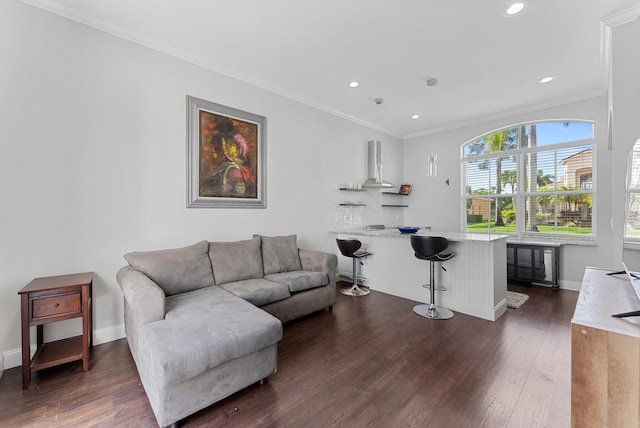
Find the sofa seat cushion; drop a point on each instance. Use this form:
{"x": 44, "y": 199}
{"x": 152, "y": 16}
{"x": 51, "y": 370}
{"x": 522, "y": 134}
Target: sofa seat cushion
{"x": 300, "y": 280}
{"x": 258, "y": 291}
{"x": 236, "y": 261}
{"x": 202, "y": 330}
{"x": 177, "y": 270}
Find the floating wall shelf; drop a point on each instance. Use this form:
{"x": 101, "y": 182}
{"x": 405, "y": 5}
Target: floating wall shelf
{"x": 348, "y": 189}
{"x": 352, "y": 204}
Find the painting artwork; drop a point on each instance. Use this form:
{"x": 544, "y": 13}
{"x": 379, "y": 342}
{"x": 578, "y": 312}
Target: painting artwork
{"x": 226, "y": 164}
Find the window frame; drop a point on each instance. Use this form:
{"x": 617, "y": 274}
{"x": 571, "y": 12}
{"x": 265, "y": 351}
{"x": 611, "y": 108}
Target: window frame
{"x": 520, "y": 198}
{"x": 628, "y": 192}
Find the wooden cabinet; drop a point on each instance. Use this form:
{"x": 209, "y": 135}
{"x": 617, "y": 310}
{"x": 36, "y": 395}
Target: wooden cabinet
{"x": 51, "y": 299}
{"x": 605, "y": 354}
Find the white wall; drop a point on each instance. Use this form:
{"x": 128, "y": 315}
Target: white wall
{"x": 92, "y": 161}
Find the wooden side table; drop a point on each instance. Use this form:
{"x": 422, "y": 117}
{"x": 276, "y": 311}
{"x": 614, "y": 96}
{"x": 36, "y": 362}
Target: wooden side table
{"x": 51, "y": 299}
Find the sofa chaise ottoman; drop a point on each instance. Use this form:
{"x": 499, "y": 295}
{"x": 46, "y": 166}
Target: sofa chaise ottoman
{"x": 204, "y": 321}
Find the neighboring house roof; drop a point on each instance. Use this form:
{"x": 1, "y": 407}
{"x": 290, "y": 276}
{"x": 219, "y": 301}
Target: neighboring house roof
{"x": 575, "y": 154}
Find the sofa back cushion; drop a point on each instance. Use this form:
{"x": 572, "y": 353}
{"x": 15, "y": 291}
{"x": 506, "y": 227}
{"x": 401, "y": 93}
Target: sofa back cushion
{"x": 176, "y": 270}
{"x": 280, "y": 254}
{"x": 236, "y": 261}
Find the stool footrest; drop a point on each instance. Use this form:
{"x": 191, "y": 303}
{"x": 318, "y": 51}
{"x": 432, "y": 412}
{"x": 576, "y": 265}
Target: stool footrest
{"x": 439, "y": 288}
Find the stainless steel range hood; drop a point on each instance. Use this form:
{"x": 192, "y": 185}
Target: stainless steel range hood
{"x": 374, "y": 166}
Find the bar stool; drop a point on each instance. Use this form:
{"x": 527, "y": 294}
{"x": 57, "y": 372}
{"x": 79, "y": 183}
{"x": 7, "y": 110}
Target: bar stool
{"x": 430, "y": 248}
{"x": 349, "y": 248}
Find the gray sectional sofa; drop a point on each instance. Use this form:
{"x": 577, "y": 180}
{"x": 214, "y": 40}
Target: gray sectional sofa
{"x": 204, "y": 321}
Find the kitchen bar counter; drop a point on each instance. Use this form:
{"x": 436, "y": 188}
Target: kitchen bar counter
{"x": 476, "y": 278}
{"x": 451, "y": 236}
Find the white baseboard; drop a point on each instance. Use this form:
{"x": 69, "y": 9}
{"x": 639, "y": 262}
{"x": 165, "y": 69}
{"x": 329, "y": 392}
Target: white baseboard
{"x": 563, "y": 284}
{"x": 570, "y": 285}
{"x": 108, "y": 334}
{"x": 13, "y": 357}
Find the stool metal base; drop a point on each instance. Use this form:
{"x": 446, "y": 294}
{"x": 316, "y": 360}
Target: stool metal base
{"x": 433, "y": 312}
{"x": 354, "y": 291}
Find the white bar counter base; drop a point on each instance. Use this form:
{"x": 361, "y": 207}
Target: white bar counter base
{"x": 475, "y": 280}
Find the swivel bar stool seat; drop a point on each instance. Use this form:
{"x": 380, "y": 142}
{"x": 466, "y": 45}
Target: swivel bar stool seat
{"x": 430, "y": 248}
{"x": 349, "y": 248}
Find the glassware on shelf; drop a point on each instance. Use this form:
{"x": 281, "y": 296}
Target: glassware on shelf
{"x": 349, "y": 217}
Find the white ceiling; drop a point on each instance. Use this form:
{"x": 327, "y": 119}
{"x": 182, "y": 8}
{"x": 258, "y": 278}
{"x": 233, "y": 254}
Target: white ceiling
{"x": 488, "y": 65}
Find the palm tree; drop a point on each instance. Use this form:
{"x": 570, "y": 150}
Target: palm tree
{"x": 510, "y": 177}
{"x": 544, "y": 179}
{"x": 545, "y": 201}
{"x": 569, "y": 199}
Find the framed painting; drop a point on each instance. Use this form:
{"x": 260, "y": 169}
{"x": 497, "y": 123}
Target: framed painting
{"x": 226, "y": 164}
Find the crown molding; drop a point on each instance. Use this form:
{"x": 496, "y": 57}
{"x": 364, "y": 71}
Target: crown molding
{"x": 58, "y": 8}
{"x": 623, "y": 17}
{"x": 506, "y": 115}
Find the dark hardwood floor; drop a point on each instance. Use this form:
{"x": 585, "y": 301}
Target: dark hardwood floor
{"x": 370, "y": 363}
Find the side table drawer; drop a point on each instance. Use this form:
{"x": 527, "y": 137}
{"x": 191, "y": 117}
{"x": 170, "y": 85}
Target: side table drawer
{"x": 60, "y": 304}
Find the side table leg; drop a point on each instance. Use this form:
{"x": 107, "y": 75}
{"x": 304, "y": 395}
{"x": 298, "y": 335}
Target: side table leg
{"x": 40, "y": 336}
{"x": 26, "y": 345}
{"x": 86, "y": 327}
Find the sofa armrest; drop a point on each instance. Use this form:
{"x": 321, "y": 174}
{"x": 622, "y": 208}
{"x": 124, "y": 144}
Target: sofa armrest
{"x": 144, "y": 297}
{"x": 319, "y": 261}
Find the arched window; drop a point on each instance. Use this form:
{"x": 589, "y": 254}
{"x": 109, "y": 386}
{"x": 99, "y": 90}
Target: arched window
{"x": 632, "y": 206}
{"x": 531, "y": 179}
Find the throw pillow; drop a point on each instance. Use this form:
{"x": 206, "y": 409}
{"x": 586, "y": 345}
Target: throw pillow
{"x": 236, "y": 261}
{"x": 280, "y": 254}
{"x": 176, "y": 270}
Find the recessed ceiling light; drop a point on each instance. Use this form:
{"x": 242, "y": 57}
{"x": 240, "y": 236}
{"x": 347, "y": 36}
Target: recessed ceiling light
{"x": 546, "y": 79}
{"x": 515, "y": 8}
{"x": 354, "y": 84}
{"x": 415, "y": 116}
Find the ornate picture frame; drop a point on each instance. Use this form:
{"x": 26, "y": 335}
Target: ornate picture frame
{"x": 226, "y": 156}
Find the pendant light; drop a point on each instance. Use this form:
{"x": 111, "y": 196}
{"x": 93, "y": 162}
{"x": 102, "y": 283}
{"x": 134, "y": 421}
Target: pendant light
{"x": 432, "y": 158}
